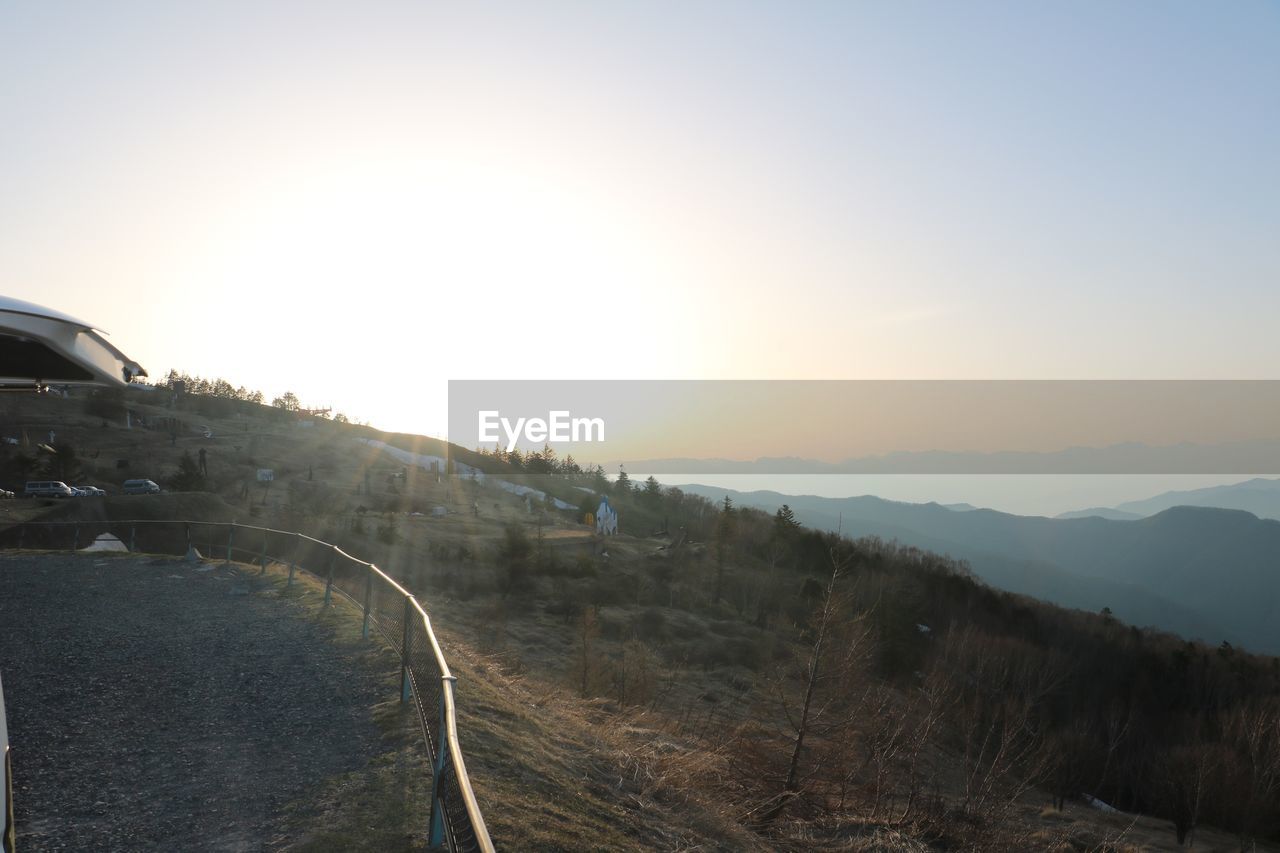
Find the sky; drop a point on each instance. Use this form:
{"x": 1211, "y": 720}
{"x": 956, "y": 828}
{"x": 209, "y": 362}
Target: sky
{"x": 360, "y": 201}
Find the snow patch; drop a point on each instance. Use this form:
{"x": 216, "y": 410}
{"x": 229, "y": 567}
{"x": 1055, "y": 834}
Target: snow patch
{"x": 1100, "y": 805}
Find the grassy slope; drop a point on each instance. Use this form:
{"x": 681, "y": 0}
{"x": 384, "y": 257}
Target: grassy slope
{"x": 552, "y": 771}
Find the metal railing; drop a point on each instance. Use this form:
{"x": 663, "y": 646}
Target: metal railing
{"x": 7, "y": 830}
{"x": 388, "y": 608}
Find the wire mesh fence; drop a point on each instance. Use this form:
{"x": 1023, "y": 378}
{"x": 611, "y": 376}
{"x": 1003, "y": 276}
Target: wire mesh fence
{"x": 387, "y": 607}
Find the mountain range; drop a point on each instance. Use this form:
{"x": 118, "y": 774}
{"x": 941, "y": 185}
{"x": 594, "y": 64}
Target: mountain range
{"x": 1203, "y": 572}
{"x": 1258, "y": 496}
{"x": 1243, "y": 458}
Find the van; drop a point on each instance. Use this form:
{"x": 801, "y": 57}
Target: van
{"x": 48, "y": 489}
{"x": 139, "y": 487}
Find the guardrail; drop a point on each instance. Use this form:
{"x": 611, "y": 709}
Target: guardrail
{"x": 388, "y": 608}
{"x": 7, "y": 829}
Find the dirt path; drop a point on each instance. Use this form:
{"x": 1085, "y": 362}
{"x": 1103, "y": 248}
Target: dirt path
{"x": 157, "y": 705}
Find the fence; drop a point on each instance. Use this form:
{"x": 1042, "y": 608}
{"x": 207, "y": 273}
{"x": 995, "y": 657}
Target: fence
{"x": 388, "y": 609}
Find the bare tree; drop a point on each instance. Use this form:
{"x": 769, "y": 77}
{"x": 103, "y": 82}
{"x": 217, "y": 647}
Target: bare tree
{"x": 838, "y": 648}
{"x": 1115, "y": 730}
{"x": 1253, "y": 733}
{"x": 589, "y": 665}
{"x": 1066, "y": 760}
{"x": 999, "y": 691}
{"x": 636, "y": 678}
{"x": 890, "y": 740}
{"x": 1183, "y": 774}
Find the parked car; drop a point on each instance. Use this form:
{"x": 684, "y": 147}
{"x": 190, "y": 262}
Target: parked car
{"x": 48, "y": 489}
{"x": 139, "y": 487}
{"x": 5, "y": 494}
{"x": 88, "y": 491}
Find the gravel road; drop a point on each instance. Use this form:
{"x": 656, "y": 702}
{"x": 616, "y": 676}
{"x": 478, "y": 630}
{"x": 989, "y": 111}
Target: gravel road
{"x": 159, "y": 705}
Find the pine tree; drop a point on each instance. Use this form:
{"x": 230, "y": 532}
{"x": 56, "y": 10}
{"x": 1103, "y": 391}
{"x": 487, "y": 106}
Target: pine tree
{"x": 784, "y": 523}
{"x": 188, "y": 477}
{"x": 724, "y": 532}
{"x": 652, "y": 492}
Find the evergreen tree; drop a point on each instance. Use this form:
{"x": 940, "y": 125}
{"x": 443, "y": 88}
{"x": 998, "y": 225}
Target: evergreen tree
{"x": 724, "y": 532}
{"x": 652, "y": 492}
{"x": 784, "y": 523}
{"x": 188, "y": 477}
{"x": 63, "y": 464}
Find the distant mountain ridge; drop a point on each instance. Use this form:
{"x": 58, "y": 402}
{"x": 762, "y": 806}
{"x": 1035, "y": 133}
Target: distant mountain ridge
{"x": 1244, "y": 458}
{"x": 1259, "y": 496}
{"x": 1101, "y": 512}
{"x": 1197, "y": 571}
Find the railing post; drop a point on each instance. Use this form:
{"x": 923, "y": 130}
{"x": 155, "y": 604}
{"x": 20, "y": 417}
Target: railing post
{"x": 368, "y": 598}
{"x": 231, "y": 535}
{"x": 404, "y": 651}
{"x": 188, "y": 551}
{"x": 133, "y": 536}
{"x": 328, "y": 584}
{"x": 293, "y": 561}
{"x": 75, "y": 537}
{"x": 435, "y": 833}
{"x": 263, "y": 569}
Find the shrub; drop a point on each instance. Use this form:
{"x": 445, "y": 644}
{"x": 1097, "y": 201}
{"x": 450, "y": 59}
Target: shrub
{"x": 636, "y": 677}
{"x": 188, "y": 477}
{"x": 514, "y": 555}
{"x": 651, "y": 624}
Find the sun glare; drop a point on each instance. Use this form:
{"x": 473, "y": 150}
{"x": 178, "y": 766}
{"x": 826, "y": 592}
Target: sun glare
{"x": 504, "y": 272}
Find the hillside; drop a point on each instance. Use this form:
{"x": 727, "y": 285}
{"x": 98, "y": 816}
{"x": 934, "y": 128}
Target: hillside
{"x": 1197, "y": 571}
{"x": 645, "y": 690}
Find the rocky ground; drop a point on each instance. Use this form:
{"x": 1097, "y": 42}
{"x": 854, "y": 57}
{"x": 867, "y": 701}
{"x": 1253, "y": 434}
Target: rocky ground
{"x": 156, "y": 704}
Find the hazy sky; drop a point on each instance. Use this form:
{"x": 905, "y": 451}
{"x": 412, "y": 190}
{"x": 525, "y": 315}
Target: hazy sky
{"x": 358, "y": 201}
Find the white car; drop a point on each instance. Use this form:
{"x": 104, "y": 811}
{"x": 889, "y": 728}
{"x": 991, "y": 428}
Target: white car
{"x": 48, "y": 489}
{"x": 88, "y": 491}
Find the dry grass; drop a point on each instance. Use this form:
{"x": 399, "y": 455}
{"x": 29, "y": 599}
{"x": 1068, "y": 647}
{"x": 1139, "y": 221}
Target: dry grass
{"x": 1080, "y": 827}
{"x": 552, "y": 771}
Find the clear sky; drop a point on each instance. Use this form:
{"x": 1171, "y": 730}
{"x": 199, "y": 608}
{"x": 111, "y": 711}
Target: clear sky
{"x": 358, "y": 201}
